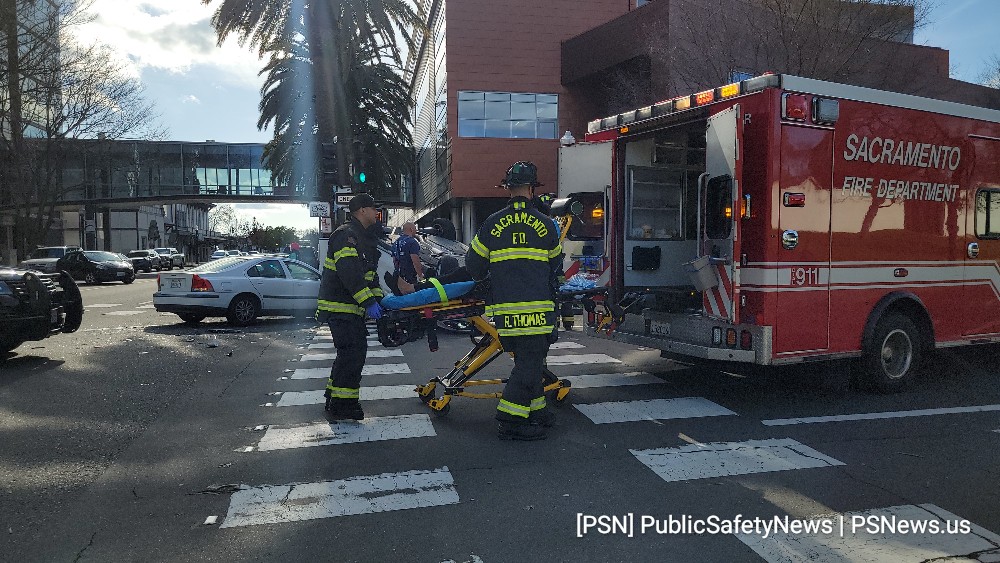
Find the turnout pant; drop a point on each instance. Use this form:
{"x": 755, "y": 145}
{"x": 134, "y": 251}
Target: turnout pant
{"x": 523, "y": 393}
{"x": 350, "y": 337}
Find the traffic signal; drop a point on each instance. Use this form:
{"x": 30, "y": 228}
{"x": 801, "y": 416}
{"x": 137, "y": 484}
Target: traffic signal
{"x": 329, "y": 171}
{"x": 359, "y": 170}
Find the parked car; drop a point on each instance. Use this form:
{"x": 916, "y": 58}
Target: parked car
{"x": 233, "y": 253}
{"x": 145, "y": 260}
{"x": 96, "y": 266}
{"x": 240, "y": 289}
{"x": 219, "y": 254}
{"x": 174, "y": 257}
{"x": 43, "y": 259}
{"x": 34, "y": 306}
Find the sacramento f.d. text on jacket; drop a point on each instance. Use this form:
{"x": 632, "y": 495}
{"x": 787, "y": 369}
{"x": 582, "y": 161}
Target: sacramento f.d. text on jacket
{"x": 519, "y": 247}
{"x": 349, "y": 283}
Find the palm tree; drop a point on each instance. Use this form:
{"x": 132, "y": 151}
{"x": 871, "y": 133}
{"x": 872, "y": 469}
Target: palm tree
{"x": 318, "y": 49}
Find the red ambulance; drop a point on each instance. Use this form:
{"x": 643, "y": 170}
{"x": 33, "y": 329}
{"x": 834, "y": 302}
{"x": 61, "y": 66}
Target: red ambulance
{"x": 783, "y": 219}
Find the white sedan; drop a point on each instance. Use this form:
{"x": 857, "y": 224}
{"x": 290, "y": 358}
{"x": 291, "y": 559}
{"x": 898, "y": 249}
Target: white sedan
{"x": 239, "y": 288}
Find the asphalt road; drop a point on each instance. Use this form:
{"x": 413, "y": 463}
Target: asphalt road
{"x": 141, "y": 439}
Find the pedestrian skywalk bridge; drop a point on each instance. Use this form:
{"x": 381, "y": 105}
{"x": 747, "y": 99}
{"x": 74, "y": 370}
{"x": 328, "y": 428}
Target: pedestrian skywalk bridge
{"x": 424, "y": 487}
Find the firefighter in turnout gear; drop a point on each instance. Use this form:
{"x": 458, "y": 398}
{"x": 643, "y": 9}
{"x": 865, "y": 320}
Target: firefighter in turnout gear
{"x": 519, "y": 249}
{"x": 348, "y": 292}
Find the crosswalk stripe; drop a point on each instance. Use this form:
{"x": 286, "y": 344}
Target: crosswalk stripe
{"x": 719, "y": 459}
{"x": 299, "y": 398}
{"x": 328, "y": 499}
{"x": 375, "y": 369}
{"x": 846, "y": 543}
{"x": 391, "y": 352}
{"x": 330, "y": 345}
{"x": 566, "y": 345}
{"x": 574, "y": 359}
{"x": 374, "y": 429}
{"x": 656, "y": 409}
{"x": 612, "y": 379}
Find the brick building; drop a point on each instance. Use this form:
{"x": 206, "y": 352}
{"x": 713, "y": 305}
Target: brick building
{"x": 496, "y": 81}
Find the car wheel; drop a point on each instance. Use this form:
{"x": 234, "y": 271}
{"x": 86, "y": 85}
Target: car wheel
{"x": 243, "y": 310}
{"x": 90, "y": 278}
{"x": 191, "y": 318}
{"x": 892, "y": 359}
{"x": 148, "y": 270}
{"x": 129, "y": 278}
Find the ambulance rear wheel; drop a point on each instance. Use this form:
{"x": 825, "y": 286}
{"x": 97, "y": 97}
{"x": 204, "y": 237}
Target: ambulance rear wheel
{"x": 893, "y": 357}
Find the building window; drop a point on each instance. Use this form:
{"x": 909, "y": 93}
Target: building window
{"x": 506, "y": 115}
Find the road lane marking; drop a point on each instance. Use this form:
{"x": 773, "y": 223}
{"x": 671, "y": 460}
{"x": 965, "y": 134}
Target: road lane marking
{"x": 376, "y": 369}
{"x": 385, "y": 392}
{"x": 330, "y": 345}
{"x": 381, "y": 392}
{"x": 366, "y": 494}
{"x": 878, "y": 415}
{"x": 391, "y": 352}
{"x": 873, "y": 544}
{"x": 566, "y": 345}
{"x": 102, "y": 305}
{"x": 123, "y": 313}
{"x": 720, "y": 459}
{"x": 593, "y": 380}
{"x": 575, "y": 359}
{"x": 374, "y": 429}
{"x": 656, "y": 409}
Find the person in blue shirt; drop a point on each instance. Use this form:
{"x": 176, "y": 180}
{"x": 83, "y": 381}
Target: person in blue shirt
{"x": 406, "y": 255}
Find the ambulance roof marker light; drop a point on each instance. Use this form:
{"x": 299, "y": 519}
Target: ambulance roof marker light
{"x": 706, "y": 97}
{"x": 729, "y": 90}
{"x": 682, "y": 103}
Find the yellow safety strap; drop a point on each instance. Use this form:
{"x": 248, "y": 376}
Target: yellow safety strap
{"x": 441, "y": 293}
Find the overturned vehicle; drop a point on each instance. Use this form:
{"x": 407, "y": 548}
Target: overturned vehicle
{"x": 34, "y": 306}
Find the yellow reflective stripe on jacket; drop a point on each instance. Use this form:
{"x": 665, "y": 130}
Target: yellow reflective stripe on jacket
{"x": 369, "y": 276}
{"x": 343, "y": 392}
{"x": 538, "y": 404}
{"x": 440, "y": 288}
{"x": 377, "y": 292}
{"x": 345, "y": 252}
{"x": 337, "y": 307}
{"x": 513, "y": 409}
{"x": 555, "y": 251}
{"x": 519, "y": 254}
{"x": 364, "y": 295}
{"x": 524, "y": 331}
{"x": 520, "y": 307}
{"x": 479, "y": 247}
{"x": 329, "y": 264}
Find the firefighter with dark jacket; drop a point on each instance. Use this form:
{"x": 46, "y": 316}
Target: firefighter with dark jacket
{"x": 518, "y": 248}
{"x": 348, "y": 292}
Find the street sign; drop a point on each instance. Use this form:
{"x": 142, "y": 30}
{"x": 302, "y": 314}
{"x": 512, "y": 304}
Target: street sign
{"x": 325, "y": 225}
{"x": 319, "y": 209}
{"x": 344, "y": 199}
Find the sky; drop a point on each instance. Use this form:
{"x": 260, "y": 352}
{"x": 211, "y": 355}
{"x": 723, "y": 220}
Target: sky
{"x": 205, "y": 91}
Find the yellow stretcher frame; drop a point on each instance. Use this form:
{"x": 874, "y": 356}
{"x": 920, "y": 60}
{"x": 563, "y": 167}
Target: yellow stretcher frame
{"x": 484, "y": 351}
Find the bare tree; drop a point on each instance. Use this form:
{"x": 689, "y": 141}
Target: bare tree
{"x": 991, "y": 76}
{"x": 57, "y": 91}
{"x": 825, "y": 39}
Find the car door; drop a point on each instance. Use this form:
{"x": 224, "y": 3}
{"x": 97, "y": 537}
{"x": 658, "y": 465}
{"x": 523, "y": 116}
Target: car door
{"x": 74, "y": 263}
{"x": 304, "y": 285}
{"x": 272, "y": 284}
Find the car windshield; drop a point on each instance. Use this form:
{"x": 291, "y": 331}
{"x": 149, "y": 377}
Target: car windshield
{"x": 217, "y": 265}
{"x": 97, "y": 256}
{"x": 138, "y": 254}
{"x": 162, "y": 250}
{"x": 48, "y": 253}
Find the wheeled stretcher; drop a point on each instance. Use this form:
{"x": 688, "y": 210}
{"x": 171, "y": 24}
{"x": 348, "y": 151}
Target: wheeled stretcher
{"x": 399, "y": 324}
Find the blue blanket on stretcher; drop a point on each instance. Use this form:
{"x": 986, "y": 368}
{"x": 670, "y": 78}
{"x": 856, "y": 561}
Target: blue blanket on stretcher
{"x": 428, "y": 296}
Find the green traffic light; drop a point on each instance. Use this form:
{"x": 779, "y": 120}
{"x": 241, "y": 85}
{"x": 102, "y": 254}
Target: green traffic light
{"x": 361, "y": 177}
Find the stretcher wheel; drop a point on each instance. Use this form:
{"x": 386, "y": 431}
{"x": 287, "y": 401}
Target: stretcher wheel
{"x": 559, "y": 395}
{"x": 426, "y": 392}
{"x": 440, "y": 407}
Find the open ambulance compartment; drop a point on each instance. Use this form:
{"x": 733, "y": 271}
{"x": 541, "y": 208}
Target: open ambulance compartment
{"x": 679, "y": 252}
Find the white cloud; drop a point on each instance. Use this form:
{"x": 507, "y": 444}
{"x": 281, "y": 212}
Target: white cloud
{"x": 169, "y": 34}
{"x": 190, "y": 99}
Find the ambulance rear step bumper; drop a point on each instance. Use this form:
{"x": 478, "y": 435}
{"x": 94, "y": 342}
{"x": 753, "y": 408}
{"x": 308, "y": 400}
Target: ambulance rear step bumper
{"x": 689, "y": 337}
